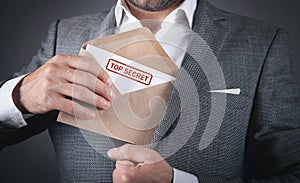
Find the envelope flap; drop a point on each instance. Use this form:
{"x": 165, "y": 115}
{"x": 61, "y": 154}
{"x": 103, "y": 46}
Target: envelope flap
{"x": 140, "y": 46}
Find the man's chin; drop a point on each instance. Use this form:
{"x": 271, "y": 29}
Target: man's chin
{"x": 154, "y": 5}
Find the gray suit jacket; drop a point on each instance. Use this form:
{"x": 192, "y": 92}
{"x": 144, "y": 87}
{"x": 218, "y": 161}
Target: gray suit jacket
{"x": 259, "y": 138}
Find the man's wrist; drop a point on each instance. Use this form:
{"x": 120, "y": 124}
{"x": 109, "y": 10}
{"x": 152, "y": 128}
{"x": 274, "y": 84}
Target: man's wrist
{"x": 16, "y": 98}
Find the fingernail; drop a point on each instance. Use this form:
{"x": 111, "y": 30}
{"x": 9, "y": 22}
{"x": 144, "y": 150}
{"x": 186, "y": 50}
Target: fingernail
{"x": 111, "y": 152}
{"x": 112, "y": 95}
{"x": 106, "y": 105}
{"x": 109, "y": 82}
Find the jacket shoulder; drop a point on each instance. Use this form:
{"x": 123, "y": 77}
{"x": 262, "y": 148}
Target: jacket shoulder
{"x": 240, "y": 23}
{"x": 72, "y": 32}
{"x": 83, "y": 21}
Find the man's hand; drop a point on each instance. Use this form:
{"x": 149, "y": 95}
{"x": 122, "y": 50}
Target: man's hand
{"x": 139, "y": 164}
{"x": 62, "y": 79}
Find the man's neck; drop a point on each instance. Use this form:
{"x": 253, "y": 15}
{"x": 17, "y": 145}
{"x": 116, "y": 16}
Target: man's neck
{"x": 145, "y": 15}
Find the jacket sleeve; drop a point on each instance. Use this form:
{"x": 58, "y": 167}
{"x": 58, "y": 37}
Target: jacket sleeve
{"x": 8, "y": 135}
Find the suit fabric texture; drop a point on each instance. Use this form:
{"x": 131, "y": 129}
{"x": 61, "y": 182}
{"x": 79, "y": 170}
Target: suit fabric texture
{"x": 259, "y": 139}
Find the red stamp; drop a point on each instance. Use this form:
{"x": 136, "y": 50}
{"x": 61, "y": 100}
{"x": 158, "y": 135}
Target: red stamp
{"x": 129, "y": 72}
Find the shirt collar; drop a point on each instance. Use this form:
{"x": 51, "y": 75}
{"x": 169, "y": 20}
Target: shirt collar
{"x": 188, "y": 8}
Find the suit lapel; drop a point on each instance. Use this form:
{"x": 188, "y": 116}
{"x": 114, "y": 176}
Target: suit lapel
{"x": 105, "y": 27}
{"x": 210, "y": 28}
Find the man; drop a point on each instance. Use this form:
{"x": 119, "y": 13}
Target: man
{"x": 258, "y": 141}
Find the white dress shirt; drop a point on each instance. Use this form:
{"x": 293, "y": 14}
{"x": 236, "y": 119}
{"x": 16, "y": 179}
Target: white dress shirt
{"x": 172, "y": 35}
{"x": 9, "y": 113}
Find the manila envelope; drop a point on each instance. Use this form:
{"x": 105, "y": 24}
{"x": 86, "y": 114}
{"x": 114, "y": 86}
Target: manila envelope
{"x": 139, "y": 106}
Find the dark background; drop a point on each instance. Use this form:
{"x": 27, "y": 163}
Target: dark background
{"x": 23, "y": 26}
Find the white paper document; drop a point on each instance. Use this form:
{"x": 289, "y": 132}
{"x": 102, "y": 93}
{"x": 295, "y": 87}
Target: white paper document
{"x": 127, "y": 75}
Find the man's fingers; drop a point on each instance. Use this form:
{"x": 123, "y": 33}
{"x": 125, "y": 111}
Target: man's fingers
{"x": 116, "y": 177}
{"x": 73, "y": 108}
{"x": 127, "y": 152}
{"x": 124, "y": 162}
{"x": 134, "y": 153}
{"x": 89, "y": 65}
{"x": 91, "y": 82}
{"x": 139, "y": 164}
{"x": 53, "y": 82}
{"x": 119, "y": 177}
{"x": 85, "y": 95}
{"x": 124, "y": 171}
